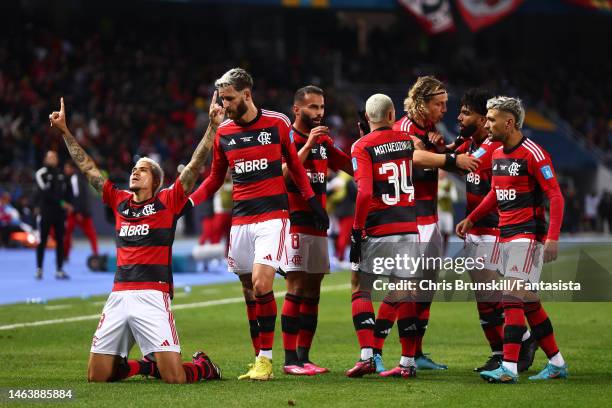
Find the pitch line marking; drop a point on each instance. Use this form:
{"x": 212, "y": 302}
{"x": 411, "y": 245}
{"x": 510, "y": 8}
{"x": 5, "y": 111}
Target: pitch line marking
{"x": 207, "y": 303}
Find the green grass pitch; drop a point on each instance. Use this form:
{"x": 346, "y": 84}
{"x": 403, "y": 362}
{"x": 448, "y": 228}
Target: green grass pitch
{"x": 55, "y": 357}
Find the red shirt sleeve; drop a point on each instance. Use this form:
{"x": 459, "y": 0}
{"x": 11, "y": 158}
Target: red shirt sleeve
{"x": 544, "y": 174}
{"x": 112, "y": 196}
{"x": 485, "y": 207}
{"x": 336, "y": 158}
{"x": 109, "y": 194}
{"x": 463, "y": 148}
{"x": 295, "y": 166}
{"x": 174, "y": 197}
{"x": 215, "y": 179}
{"x": 362, "y": 166}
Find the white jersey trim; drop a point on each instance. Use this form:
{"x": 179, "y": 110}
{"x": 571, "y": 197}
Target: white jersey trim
{"x": 278, "y": 115}
{"x": 534, "y": 149}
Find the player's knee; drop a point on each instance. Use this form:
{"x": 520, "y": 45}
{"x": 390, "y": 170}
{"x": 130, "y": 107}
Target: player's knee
{"x": 312, "y": 290}
{"x": 294, "y": 285}
{"x": 262, "y": 284}
{"x": 248, "y": 293}
{"x": 97, "y": 376}
{"x": 173, "y": 379}
{"x": 261, "y": 287}
{"x": 173, "y": 374}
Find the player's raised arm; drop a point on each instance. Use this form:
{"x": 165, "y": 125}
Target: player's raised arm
{"x": 215, "y": 179}
{"x": 80, "y": 157}
{"x": 189, "y": 175}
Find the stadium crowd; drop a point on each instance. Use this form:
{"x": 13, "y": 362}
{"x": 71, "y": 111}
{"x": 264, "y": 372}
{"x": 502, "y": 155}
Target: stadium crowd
{"x": 142, "y": 89}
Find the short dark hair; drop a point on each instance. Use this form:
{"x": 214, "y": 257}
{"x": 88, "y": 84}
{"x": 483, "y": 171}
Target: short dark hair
{"x": 236, "y": 77}
{"x": 475, "y": 99}
{"x": 308, "y": 89}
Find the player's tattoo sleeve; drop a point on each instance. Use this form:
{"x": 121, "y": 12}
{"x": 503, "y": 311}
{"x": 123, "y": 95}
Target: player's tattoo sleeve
{"x": 189, "y": 175}
{"x": 84, "y": 162}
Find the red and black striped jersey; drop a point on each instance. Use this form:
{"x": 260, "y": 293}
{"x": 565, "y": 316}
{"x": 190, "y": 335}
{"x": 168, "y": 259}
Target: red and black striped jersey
{"x": 323, "y": 155}
{"x": 522, "y": 176}
{"x": 382, "y": 161}
{"x": 254, "y": 154}
{"x": 144, "y": 233}
{"x": 425, "y": 180}
{"x": 478, "y": 184}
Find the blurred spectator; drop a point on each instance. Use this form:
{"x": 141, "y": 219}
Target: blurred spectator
{"x": 9, "y": 219}
{"x": 591, "y": 204}
{"x": 223, "y": 204}
{"x": 447, "y": 196}
{"x": 341, "y": 195}
{"x": 572, "y": 212}
{"x": 605, "y": 211}
{"x": 26, "y": 212}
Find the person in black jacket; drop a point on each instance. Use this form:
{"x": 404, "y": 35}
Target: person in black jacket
{"x": 54, "y": 199}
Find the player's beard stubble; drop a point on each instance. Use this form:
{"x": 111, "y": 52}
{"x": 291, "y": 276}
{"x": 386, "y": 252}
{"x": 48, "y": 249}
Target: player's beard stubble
{"x": 468, "y": 131}
{"x": 310, "y": 123}
{"x": 241, "y": 109}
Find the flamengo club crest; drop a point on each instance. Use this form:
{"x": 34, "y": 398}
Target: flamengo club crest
{"x": 148, "y": 209}
{"x": 514, "y": 168}
{"x": 323, "y": 151}
{"x": 264, "y": 138}
{"x": 296, "y": 260}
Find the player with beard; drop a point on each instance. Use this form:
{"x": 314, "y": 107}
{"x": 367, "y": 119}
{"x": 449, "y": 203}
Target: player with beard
{"x": 139, "y": 308}
{"x": 523, "y": 174}
{"x": 307, "y": 255}
{"x": 482, "y": 241}
{"x": 253, "y": 143}
{"x": 425, "y": 106}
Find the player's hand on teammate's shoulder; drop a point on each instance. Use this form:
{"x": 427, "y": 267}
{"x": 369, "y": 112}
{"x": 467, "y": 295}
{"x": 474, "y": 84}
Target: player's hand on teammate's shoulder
{"x": 467, "y": 162}
{"x": 57, "y": 119}
{"x": 216, "y": 113}
{"x": 551, "y": 249}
